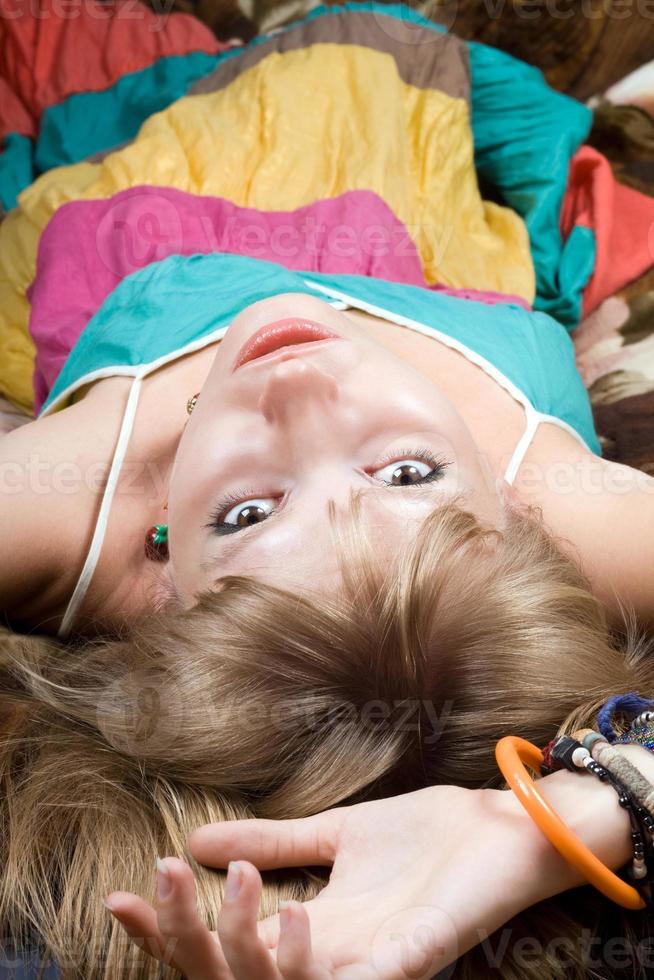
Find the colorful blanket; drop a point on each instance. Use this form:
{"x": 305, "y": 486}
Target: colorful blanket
{"x": 615, "y": 342}
{"x": 362, "y": 138}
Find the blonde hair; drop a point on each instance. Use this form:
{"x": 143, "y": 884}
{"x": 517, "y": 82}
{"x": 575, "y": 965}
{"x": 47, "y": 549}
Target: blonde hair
{"x": 258, "y": 702}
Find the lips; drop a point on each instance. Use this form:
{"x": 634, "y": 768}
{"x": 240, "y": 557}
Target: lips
{"x": 282, "y": 333}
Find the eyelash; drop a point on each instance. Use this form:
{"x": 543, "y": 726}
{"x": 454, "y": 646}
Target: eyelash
{"x": 231, "y": 500}
{"x": 438, "y": 466}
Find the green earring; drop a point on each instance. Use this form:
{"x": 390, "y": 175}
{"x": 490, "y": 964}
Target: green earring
{"x": 156, "y": 542}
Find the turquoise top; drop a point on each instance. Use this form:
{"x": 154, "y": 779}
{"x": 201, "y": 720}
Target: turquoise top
{"x": 181, "y": 304}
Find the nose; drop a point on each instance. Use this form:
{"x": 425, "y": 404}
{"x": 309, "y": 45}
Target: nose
{"x": 295, "y": 386}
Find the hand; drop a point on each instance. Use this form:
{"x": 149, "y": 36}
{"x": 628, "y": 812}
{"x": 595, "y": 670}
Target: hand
{"x": 416, "y": 881}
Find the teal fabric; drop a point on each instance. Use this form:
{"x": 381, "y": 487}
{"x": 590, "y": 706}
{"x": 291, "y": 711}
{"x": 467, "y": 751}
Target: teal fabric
{"x": 525, "y": 135}
{"x": 159, "y": 310}
{"x": 575, "y": 270}
{"x": 92, "y": 121}
{"x": 16, "y": 168}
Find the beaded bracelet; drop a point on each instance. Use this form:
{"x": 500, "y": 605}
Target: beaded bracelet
{"x": 641, "y": 713}
{"x": 571, "y": 754}
{"x": 511, "y": 754}
{"x": 640, "y": 733}
{"x": 600, "y": 744}
{"x": 622, "y": 768}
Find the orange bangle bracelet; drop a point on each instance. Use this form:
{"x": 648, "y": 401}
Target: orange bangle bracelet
{"x": 512, "y": 754}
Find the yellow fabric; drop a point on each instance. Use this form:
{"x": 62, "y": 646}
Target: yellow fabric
{"x": 306, "y": 124}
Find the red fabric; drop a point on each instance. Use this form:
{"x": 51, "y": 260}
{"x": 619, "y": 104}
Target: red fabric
{"x": 621, "y": 218}
{"x": 50, "y": 49}
{"x": 15, "y": 117}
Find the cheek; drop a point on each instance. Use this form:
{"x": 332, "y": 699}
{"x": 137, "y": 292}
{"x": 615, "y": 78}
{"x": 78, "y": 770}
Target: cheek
{"x": 197, "y": 462}
{"x": 185, "y": 494}
{"x": 188, "y": 511}
{"x": 400, "y": 392}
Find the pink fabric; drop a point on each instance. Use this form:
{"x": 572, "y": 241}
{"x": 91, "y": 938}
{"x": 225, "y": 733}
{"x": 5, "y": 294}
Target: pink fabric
{"x": 90, "y": 246}
{"x": 621, "y": 218}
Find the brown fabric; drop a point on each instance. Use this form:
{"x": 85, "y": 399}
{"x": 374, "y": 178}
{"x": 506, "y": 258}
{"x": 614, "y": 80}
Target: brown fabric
{"x": 625, "y": 134}
{"x": 446, "y": 68}
{"x": 583, "y": 46}
{"x": 226, "y": 20}
{"x": 223, "y": 17}
{"x": 557, "y": 38}
{"x": 627, "y": 428}
{"x": 625, "y": 43}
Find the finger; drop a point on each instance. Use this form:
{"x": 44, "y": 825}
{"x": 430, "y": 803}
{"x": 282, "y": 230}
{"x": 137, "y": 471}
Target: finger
{"x": 196, "y": 951}
{"x": 139, "y": 920}
{"x": 269, "y": 843}
{"x": 268, "y": 930}
{"x": 246, "y": 954}
{"x": 294, "y": 957}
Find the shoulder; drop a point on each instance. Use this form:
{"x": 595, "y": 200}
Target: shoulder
{"x": 602, "y": 512}
{"x": 52, "y": 473}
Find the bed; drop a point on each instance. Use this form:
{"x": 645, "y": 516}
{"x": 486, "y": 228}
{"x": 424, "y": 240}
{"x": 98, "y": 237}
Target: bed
{"x": 613, "y": 327}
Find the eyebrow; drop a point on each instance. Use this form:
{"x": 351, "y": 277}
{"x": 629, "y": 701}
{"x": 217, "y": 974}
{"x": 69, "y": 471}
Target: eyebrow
{"x": 235, "y": 543}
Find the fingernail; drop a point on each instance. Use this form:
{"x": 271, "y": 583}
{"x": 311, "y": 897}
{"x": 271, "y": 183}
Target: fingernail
{"x": 164, "y": 884}
{"x": 234, "y": 880}
{"x": 108, "y": 904}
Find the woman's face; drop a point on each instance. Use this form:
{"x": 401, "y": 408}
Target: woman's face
{"x": 274, "y": 439}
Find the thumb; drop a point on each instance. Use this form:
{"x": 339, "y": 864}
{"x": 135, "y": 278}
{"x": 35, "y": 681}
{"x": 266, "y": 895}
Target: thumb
{"x": 269, "y": 843}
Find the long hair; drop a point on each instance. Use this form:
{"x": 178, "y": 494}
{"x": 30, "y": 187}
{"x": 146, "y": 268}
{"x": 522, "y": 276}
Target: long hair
{"x": 260, "y": 702}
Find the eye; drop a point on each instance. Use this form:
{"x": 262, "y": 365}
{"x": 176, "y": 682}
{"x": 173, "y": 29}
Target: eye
{"x": 250, "y": 512}
{"x": 230, "y": 516}
{"x": 415, "y": 468}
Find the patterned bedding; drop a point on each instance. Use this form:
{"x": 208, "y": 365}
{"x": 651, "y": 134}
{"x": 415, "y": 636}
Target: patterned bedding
{"x": 501, "y": 187}
{"x": 615, "y": 344}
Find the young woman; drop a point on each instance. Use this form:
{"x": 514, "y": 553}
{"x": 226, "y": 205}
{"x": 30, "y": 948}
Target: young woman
{"x": 324, "y": 490}
{"x": 408, "y": 396}
{"x": 410, "y": 434}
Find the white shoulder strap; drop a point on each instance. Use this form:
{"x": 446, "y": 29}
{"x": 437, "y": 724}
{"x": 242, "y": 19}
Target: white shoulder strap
{"x": 93, "y": 555}
{"x": 524, "y": 442}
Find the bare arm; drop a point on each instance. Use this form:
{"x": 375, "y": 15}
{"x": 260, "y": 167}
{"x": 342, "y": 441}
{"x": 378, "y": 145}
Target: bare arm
{"x": 630, "y": 539}
{"x": 45, "y": 512}
{"x": 30, "y": 561}
{"x": 616, "y": 531}
{"x": 603, "y": 514}
{"x": 418, "y": 878}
